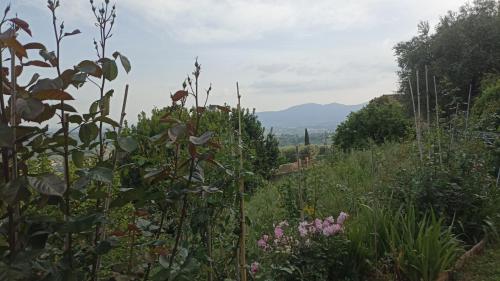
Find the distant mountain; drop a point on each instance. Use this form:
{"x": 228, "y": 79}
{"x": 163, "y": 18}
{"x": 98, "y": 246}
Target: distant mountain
{"x": 315, "y": 117}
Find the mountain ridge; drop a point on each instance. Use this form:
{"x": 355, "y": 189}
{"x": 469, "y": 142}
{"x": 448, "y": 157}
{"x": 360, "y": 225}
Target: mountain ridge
{"x": 324, "y": 117}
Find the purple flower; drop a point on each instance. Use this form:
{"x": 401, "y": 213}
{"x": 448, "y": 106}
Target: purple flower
{"x": 332, "y": 229}
{"x": 318, "y": 224}
{"x": 342, "y": 217}
{"x": 262, "y": 244}
{"x": 254, "y": 267}
{"x": 278, "y": 232}
{"x": 303, "y": 228}
{"x": 329, "y": 220}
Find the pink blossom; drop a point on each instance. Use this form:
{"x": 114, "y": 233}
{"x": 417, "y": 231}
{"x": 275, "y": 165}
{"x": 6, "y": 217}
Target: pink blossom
{"x": 342, "y": 217}
{"x": 303, "y": 228}
{"x": 265, "y": 237}
{"x": 318, "y": 224}
{"x": 254, "y": 267}
{"x": 329, "y": 220}
{"x": 278, "y": 232}
{"x": 332, "y": 229}
{"x": 262, "y": 243}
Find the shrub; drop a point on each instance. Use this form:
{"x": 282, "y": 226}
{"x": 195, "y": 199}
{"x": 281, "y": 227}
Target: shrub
{"x": 383, "y": 119}
{"x": 311, "y": 250}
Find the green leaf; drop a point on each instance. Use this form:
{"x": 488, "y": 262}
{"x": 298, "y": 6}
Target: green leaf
{"x": 201, "y": 139}
{"x": 129, "y": 144}
{"x": 107, "y": 120}
{"x": 29, "y": 108}
{"x": 176, "y": 131}
{"x": 48, "y": 184}
{"x": 78, "y": 158}
{"x": 77, "y": 119}
{"x": 124, "y": 60}
{"x": 109, "y": 69}
{"x": 14, "y": 190}
{"x": 88, "y": 132}
{"x": 90, "y": 67}
{"x": 101, "y": 174}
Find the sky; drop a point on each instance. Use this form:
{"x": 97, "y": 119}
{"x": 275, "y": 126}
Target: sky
{"x": 282, "y": 52}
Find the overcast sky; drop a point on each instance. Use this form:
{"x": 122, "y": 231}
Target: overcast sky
{"x": 282, "y": 52}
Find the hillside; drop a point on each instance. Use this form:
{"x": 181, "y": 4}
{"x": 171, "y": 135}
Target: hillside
{"x": 310, "y": 115}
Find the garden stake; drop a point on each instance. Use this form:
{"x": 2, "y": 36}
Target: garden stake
{"x": 242, "y": 251}
{"x": 416, "y": 122}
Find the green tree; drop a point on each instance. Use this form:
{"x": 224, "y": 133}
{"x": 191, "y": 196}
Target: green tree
{"x": 383, "y": 119}
{"x": 463, "y": 49}
{"x": 306, "y": 138}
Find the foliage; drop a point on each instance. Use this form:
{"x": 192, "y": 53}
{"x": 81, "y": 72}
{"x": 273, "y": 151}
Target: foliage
{"x": 312, "y": 250}
{"x": 383, "y": 119}
{"x": 462, "y": 191}
{"x": 412, "y": 247}
{"x": 463, "y": 49}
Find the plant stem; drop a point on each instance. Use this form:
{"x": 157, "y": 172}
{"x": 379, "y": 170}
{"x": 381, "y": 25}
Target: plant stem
{"x": 68, "y": 242}
{"x": 241, "y": 183}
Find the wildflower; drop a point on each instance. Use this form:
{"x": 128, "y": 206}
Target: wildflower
{"x": 332, "y": 229}
{"x": 329, "y": 220}
{"x": 302, "y": 228}
{"x": 254, "y": 267}
{"x": 318, "y": 224}
{"x": 342, "y": 217}
{"x": 262, "y": 244}
{"x": 278, "y": 232}
{"x": 265, "y": 237}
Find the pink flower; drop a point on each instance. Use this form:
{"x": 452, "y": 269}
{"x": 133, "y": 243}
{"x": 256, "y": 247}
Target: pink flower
{"x": 329, "y": 220}
{"x": 262, "y": 244}
{"x": 342, "y": 217}
{"x": 278, "y": 232}
{"x": 332, "y": 229}
{"x": 254, "y": 267}
{"x": 265, "y": 237}
{"x": 318, "y": 224}
{"x": 303, "y": 228}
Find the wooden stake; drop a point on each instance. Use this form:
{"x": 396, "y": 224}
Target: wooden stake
{"x": 416, "y": 122}
{"x": 242, "y": 252}
{"x": 468, "y": 109}
{"x": 438, "y": 127}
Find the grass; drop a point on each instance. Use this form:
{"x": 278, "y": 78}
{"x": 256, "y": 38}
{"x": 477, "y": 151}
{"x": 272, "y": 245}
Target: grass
{"x": 483, "y": 268}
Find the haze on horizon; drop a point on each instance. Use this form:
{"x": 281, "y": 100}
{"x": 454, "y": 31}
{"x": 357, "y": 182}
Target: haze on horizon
{"x": 282, "y": 52}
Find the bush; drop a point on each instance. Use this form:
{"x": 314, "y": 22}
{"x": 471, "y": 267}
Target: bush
{"x": 311, "y": 250}
{"x": 383, "y": 119}
{"x": 412, "y": 247}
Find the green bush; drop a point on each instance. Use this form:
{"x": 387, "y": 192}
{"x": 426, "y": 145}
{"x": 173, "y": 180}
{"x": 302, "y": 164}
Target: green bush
{"x": 383, "y": 119}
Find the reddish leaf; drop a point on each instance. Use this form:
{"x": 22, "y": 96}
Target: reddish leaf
{"x": 34, "y": 46}
{"x": 118, "y": 233}
{"x": 37, "y": 63}
{"x": 12, "y": 43}
{"x": 141, "y": 213}
{"x": 179, "y": 95}
{"x": 53, "y": 94}
{"x": 21, "y": 24}
{"x": 18, "y": 70}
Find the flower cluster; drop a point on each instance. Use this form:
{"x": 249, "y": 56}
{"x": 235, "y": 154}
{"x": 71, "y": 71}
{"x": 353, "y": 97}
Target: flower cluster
{"x": 326, "y": 227}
